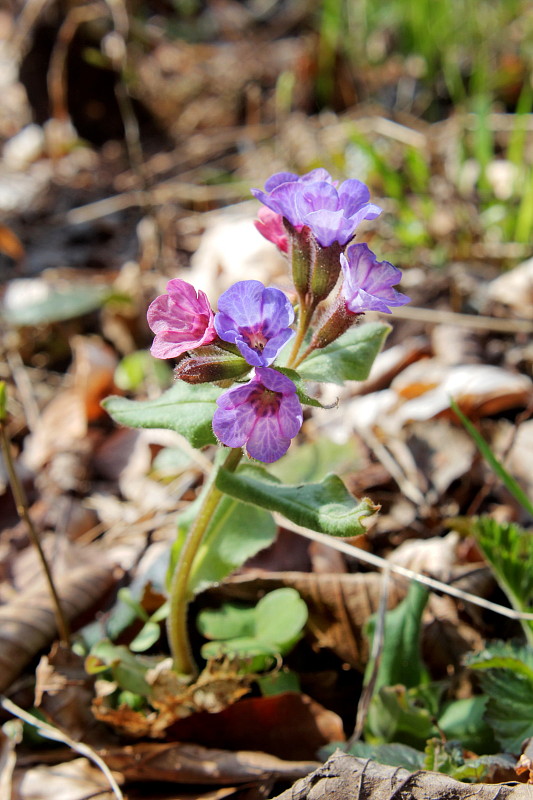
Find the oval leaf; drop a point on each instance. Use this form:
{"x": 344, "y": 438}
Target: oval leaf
{"x": 183, "y": 408}
{"x": 349, "y": 358}
{"x": 327, "y": 506}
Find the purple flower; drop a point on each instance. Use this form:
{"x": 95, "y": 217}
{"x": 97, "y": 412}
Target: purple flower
{"x": 332, "y": 212}
{"x": 270, "y": 225}
{"x": 181, "y": 320}
{"x": 368, "y": 283}
{"x": 256, "y": 319}
{"x": 264, "y": 414}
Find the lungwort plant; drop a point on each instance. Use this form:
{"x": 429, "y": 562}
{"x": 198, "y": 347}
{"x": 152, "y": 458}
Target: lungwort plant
{"x": 242, "y": 376}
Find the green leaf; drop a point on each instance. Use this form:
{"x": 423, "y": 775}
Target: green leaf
{"x": 237, "y": 532}
{"x": 183, "y": 408}
{"x": 135, "y": 368}
{"x": 327, "y": 506}
{"x": 312, "y": 461}
{"x": 254, "y": 655}
{"x": 349, "y": 358}
{"x": 49, "y": 304}
{"x": 230, "y": 621}
{"x": 400, "y": 661}
{"x": 278, "y": 682}
{"x": 257, "y": 634}
{"x": 464, "y": 720}
{"x": 509, "y": 550}
{"x": 280, "y": 617}
{"x": 506, "y": 676}
{"x": 127, "y": 670}
{"x": 303, "y": 397}
{"x": 395, "y": 755}
{"x": 147, "y": 636}
{"x": 509, "y": 482}
{"x": 395, "y": 715}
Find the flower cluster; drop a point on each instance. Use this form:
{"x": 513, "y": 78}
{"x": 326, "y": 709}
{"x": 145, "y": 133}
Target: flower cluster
{"x": 314, "y": 200}
{"x": 312, "y": 219}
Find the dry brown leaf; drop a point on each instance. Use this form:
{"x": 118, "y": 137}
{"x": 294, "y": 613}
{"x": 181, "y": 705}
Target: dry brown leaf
{"x": 93, "y": 370}
{"x": 27, "y": 624}
{"x": 515, "y": 289}
{"x": 73, "y": 780}
{"x": 339, "y": 605}
{"x": 344, "y": 776}
{"x": 10, "y": 244}
{"x": 172, "y": 698}
{"x": 435, "y": 556}
{"x": 479, "y": 389}
{"x": 63, "y": 425}
{"x": 64, "y": 692}
{"x": 190, "y": 763}
{"x": 288, "y": 725}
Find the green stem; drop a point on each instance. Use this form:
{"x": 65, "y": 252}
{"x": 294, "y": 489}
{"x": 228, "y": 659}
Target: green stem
{"x": 304, "y": 320}
{"x": 304, "y": 355}
{"x": 179, "y": 589}
{"x": 23, "y": 512}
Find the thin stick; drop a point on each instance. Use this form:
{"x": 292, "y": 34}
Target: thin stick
{"x": 378, "y": 640}
{"x": 49, "y": 732}
{"x": 381, "y": 563}
{"x": 23, "y": 512}
{"x": 435, "y": 316}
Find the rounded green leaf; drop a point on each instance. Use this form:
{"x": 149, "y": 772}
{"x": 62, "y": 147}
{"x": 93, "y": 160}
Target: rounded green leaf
{"x": 280, "y": 617}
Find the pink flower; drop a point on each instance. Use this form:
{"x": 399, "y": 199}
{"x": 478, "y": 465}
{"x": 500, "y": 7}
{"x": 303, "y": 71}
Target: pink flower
{"x": 181, "y": 320}
{"x": 270, "y": 225}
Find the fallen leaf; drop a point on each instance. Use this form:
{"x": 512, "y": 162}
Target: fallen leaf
{"x": 27, "y": 623}
{"x": 177, "y": 762}
{"x": 515, "y": 289}
{"x": 345, "y": 776}
{"x": 64, "y": 692}
{"x": 171, "y": 698}
{"x": 288, "y": 725}
{"x": 10, "y": 244}
{"x": 339, "y": 605}
{"x": 73, "y": 780}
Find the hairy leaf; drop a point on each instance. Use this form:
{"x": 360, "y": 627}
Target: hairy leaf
{"x": 327, "y": 506}
{"x": 183, "y": 408}
{"x": 509, "y": 550}
{"x": 506, "y": 676}
{"x": 349, "y": 358}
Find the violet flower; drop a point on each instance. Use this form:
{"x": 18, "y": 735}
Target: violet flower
{"x": 256, "y": 319}
{"x": 264, "y": 414}
{"x": 368, "y": 283}
{"x": 270, "y": 225}
{"x": 181, "y": 320}
{"x": 331, "y": 212}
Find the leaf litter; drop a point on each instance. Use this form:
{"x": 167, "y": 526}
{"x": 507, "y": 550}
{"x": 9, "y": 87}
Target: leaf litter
{"x": 395, "y": 435}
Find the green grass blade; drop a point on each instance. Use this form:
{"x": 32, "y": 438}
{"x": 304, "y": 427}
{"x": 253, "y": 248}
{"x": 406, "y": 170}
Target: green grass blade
{"x": 509, "y": 482}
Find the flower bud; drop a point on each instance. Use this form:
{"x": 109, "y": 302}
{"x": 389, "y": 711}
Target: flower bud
{"x": 336, "y": 323}
{"x": 326, "y": 271}
{"x": 210, "y": 364}
{"x": 302, "y": 248}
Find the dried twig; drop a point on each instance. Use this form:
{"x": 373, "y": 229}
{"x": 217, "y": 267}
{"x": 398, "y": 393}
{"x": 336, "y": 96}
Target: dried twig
{"x": 49, "y": 732}
{"x": 381, "y": 563}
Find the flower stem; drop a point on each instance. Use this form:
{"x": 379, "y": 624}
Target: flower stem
{"x": 179, "y": 589}
{"x": 22, "y": 510}
{"x": 304, "y": 320}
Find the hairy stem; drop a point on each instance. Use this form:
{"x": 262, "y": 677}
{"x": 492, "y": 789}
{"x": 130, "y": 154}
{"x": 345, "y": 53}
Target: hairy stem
{"x": 304, "y": 320}
{"x": 179, "y": 589}
{"x": 23, "y": 512}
